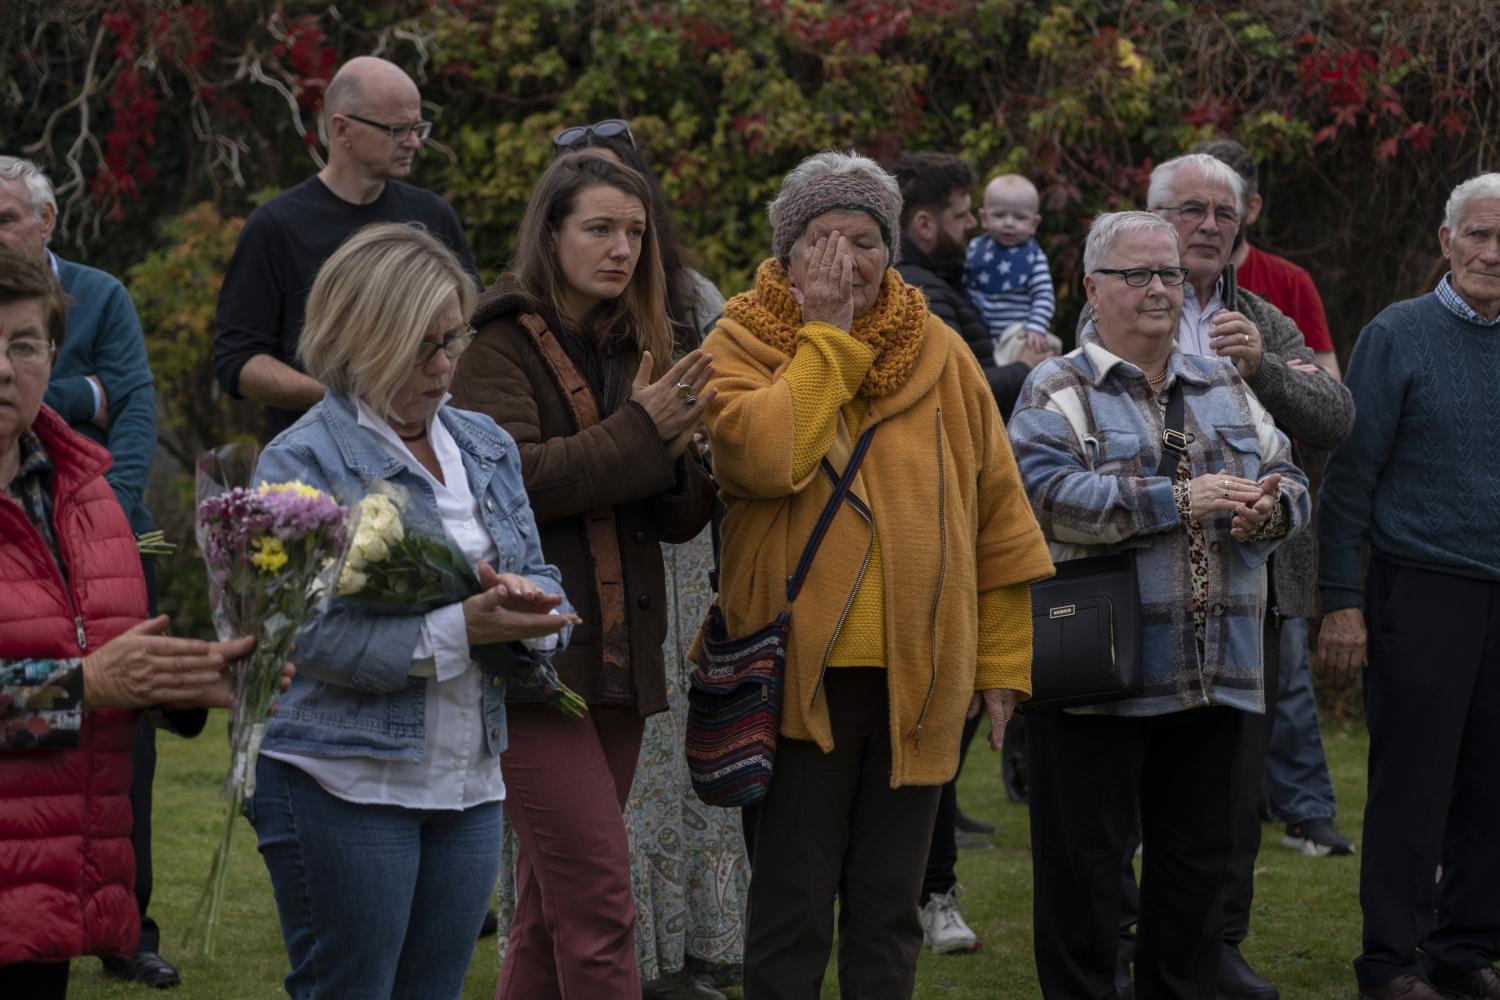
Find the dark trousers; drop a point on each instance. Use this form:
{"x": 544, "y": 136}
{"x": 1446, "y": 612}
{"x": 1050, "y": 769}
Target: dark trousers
{"x": 142, "y": 780}
{"x": 942, "y": 856}
{"x": 34, "y": 980}
{"x": 1088, "y": 773}
{"x": 1239, "y": 886}
{"x": 831, "y": 827}
{"x": 142, "y": 777}
{"x": 1432, "y": 706}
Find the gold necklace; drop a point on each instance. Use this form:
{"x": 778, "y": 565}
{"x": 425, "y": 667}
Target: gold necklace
{"x": 1156, "y": 380}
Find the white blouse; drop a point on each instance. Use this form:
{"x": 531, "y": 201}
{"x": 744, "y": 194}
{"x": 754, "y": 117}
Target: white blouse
{"x": 456, "y": 770}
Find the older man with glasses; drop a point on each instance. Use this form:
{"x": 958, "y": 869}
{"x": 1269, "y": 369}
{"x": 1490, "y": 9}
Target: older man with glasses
{"x": 1204, "y": 199}
{"x": 373, "y": 117}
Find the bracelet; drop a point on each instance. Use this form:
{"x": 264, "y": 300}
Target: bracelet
{"x": 1274, "y": 526}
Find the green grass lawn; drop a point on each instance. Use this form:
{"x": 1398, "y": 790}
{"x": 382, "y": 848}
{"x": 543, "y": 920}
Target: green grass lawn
{"x": 1304, "y": 933}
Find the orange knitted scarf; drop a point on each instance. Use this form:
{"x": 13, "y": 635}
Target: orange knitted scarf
{"x": 892, "y": 328}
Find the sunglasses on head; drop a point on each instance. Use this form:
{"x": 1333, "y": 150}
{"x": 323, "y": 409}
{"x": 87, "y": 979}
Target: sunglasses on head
{"x": 576, "y": 135}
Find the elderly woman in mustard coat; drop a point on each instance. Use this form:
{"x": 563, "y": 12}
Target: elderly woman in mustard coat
{"x": 917, "y": 608}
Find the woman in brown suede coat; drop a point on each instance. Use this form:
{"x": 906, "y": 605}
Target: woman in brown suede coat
{"x": 573, "y": 359}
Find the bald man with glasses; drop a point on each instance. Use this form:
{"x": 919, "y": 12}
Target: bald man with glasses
{"x": 373, "y": 118}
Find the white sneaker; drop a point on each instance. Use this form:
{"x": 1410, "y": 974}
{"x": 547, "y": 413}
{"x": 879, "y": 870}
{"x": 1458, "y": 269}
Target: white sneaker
{"x": 943, "y": 927}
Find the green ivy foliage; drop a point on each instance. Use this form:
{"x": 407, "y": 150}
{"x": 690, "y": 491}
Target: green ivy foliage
{"x": 1363, "y": 114}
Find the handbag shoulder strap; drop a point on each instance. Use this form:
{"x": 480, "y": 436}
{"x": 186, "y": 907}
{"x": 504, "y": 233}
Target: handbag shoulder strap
{"x": 1173, "y": 441}
{"x": 840, "y": 491}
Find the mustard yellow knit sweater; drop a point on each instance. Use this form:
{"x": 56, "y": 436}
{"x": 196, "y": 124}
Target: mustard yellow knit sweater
{"x": 1004, "y": 659}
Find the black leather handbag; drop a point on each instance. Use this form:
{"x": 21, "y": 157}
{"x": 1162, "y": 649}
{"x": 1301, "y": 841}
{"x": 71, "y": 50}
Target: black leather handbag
{"x": 1086, "y": 620}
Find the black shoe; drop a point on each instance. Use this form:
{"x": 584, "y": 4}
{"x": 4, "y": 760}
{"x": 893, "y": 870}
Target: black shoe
{"x": 968, "y": 824}
{"x": 1237, "y": 981}
{"x": 491, "y": 924}
{"x": 1317, "y": 838}
{"x": 144, "y": 967}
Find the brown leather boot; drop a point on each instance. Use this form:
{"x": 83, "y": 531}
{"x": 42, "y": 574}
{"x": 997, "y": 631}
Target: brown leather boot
{"x": 1482, "y": 984}
{"x": 1407, "y": 987}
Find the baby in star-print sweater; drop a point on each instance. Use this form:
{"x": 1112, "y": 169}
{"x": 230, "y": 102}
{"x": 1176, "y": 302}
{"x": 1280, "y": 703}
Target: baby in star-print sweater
{"x": 1005, "y": 270}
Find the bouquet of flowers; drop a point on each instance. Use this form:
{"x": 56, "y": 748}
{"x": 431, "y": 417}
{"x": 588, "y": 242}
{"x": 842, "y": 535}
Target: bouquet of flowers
{"x": 264, "y": 548}
{"x": 394, "y": 566}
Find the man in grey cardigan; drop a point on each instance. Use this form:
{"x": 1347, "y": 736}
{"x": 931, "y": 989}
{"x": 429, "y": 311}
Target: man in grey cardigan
{"x": 1204, "y": 199}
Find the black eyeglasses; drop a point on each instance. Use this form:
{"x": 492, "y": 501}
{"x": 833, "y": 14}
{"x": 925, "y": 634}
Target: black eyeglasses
{"x": 452, "y": 345}
{"x": 1195, "y": 212}
{"x": 576, "y": 135}
{"x": 1140, "y": 277}
{"x": 398, "y": 133}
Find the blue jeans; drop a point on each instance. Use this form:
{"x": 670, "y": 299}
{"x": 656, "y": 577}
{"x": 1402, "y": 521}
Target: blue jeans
{"x": 1298, "y": 786}
{"x": 376, "y": 902}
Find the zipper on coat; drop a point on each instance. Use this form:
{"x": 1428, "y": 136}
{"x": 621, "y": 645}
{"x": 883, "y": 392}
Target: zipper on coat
{"x": 942, "y": 573}
{"x": 864, "y": 512}
{"x": 54, "y": 563}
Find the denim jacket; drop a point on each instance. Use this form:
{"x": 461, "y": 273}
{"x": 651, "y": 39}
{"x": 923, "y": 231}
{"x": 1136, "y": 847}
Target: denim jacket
{"x": 353, "y": 695}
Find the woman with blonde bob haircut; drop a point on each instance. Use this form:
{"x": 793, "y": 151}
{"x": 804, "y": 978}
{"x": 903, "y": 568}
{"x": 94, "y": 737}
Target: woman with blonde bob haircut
{"x": 574, "y": 358}
{"x": 378, "y": 788}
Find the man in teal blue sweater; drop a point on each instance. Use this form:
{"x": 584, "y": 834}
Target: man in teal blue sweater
{"x": 102, "y": 386}
{"x": 1417, "y": 479}
{"x": 101, "y": 383}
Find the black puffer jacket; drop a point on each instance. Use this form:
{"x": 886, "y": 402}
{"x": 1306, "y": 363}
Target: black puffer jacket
{"x": 942, "y": 283}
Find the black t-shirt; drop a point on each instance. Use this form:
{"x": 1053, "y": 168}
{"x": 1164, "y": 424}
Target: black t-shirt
{"x": 284, "y": 242}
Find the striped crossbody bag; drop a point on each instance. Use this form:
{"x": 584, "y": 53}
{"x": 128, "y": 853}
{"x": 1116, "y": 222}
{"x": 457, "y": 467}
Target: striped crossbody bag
{"x": 734, "y": 693}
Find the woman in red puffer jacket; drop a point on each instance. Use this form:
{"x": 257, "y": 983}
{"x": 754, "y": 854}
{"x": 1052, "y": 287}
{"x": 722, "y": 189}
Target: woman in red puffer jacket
{"x": 76, "y": 658}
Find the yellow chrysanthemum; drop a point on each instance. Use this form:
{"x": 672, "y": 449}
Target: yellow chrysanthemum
{"x": 296, "y": 486}
{"x": 270, "y": 554}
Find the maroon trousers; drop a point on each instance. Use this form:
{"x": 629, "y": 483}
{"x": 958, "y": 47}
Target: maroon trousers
{"x": 573, "y": 933}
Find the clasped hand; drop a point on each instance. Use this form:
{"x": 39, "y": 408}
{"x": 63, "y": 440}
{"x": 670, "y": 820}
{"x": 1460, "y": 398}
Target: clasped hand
{"x": 511, "y": 608}
{"x": 1251, "y": 502}
{"x": 1236, "y": 337}
{"x": 675, "y": 413}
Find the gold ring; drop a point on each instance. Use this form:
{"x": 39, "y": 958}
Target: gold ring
{"x": 1224, "y": 483}
{"x": 1247, "y": 337}
{"x": 684, "y": 391}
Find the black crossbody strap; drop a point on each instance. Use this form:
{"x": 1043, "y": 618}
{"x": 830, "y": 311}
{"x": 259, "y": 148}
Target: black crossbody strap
{"x": 840, "y": 490}
{"x": 1173, "y": 441}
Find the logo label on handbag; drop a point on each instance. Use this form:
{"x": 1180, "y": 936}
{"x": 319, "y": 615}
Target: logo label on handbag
{"x": 1062, "y": 611}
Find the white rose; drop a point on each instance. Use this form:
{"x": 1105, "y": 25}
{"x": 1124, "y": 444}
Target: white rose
{"x": 351, "y": 581}
{"x": 376, "y": 550}
{"x": 379, "y": 518}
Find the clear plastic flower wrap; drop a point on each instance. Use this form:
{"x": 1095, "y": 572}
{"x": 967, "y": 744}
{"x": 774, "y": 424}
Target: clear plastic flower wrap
{"x": 400, "y": 562}
{"x": 271, "y": 553}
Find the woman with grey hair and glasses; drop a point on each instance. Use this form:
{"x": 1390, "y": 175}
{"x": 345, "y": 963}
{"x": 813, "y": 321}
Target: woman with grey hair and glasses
{"x": 916, "y": 609}
{"x": 1089, "y": 436}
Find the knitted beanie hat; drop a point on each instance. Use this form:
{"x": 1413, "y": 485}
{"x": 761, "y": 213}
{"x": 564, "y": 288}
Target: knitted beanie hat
{"x": 833, "y": 181}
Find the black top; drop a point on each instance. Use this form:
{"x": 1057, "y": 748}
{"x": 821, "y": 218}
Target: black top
{"x": 284, "y": 242}
{"x": 942, "y": 283}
